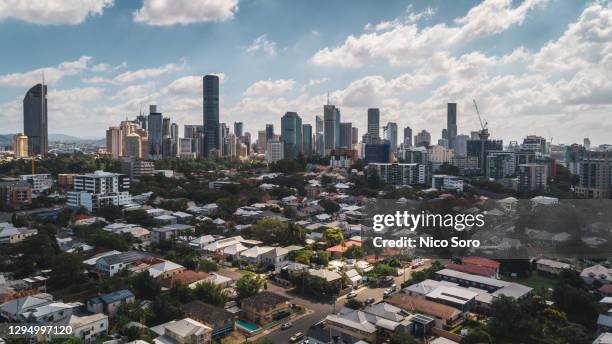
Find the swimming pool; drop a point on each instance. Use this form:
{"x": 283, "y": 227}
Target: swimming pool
{"x": 248, "y": 326}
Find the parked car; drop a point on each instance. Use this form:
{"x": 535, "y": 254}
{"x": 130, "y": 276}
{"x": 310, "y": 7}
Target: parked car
{"x": 369, "y": 301}
{"x": 286, "y": 325}
{"x": 296, "y": 337}
{"x": 351, "y": 295}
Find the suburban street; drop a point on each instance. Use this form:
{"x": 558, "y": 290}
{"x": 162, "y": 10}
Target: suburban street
{"x": 321, "y": 309}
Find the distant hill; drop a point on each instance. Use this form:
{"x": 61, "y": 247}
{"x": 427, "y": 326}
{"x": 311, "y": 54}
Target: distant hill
{"x": 7, "y": 139}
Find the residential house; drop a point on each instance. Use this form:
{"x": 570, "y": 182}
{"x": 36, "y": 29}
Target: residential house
{"x": 113, "y": 264}
{"x": 165, "y": 270}
{"x": 89, "y": 327}
{"x": 187, "y": 277}
{"x": 10, "y": 234}
{"x": 264, "y": 307}
{"x": 597, "y": 273}
{"x": 109, "y": 303}
{"x": 275, "y": 256}
{"x": 446, "y": 317}
{"x": 483, "y": 262}
{"x": 254, "y": 255}
{"x": 185, "y": 331}
{"x": 14, "y": 310}
{"x": 551, "y": 267}
{"x": 218, "y": 319}
{"x": 170, "y": 232}
{"x": 338, "y": 250}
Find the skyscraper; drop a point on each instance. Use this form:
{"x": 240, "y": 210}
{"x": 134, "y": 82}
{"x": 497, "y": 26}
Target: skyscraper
{"x": 346, "y": 135}
{"x": 114, "y": 142}
{"x": 238, "y": 129}
{"x": 262, "y": 141}
{"x": 319, "y": 126}
{"x": 20, "y": 146}
{"x": 331, "y": 128}
{"x": 155, "y": 125}
{"x": 269, "y": 132}
{"x": 390, "y": 131}
{"x": 451, "y": 123}
{"x": 291, "y": 135}
{"x": 422, "y": 139}
{"x": 408, "y": 137}
{"x": 374, "y": 122}
{"x": 35, "y": 119}
{"x": 211, "y": 113}
{"x": 355, "y": 136}
{"x": 307, "y": 139}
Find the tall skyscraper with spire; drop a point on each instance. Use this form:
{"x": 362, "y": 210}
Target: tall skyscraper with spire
{"x": 35, "y": 119}
{"x": 211, "y": 113}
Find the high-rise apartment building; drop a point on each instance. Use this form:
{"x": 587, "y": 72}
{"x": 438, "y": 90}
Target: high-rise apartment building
{"x": 408, "y": 137}
{"x": 422, "y": 139}
{"x": 20, "y": 146}
{"x": 211, "y": 113}
{"x": 98, "y": 190}
{"x": 262, "y": 141}
{"x": 114, "y": 142}
{"x": 274, "y": 151}
{"x": 269, "y": 132}
{"x": 595, "y": 172}
{"x": 132, "y": 146}
{"x": 531, "y": 177}
{"x": 35, "y": 119}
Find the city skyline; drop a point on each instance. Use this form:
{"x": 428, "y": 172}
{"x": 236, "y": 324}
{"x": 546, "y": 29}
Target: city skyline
{"x": 524, "y": 85}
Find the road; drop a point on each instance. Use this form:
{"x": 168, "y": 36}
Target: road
{"x": 322, "y": 309}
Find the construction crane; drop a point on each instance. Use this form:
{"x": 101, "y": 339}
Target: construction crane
{"x": 484, "y": 132}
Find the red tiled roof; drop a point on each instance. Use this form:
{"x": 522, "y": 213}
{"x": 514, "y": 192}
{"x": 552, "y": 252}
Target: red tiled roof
{"x": 480, "y": 261}
{"x": 343, "y": 247}
{"x": 472, "y": 269}
{"x": 606, "y": 289}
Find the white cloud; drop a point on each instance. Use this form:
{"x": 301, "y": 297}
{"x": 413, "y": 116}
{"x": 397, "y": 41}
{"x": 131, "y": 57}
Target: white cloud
{"x": 183, "y": 12}
{"x": 314, "y": 82}
{"x": 55, "y": 12}
{"x": 139, "y": 74}
{"x": 269, "y": 87}
{"x": 402, "y": 42}
{"x": 262, "y": 43}
{"x": 105, "y": 67}
{"x": 52, "y": 74}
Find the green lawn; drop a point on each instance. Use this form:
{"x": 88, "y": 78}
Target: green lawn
{"x": 535, "y": 281}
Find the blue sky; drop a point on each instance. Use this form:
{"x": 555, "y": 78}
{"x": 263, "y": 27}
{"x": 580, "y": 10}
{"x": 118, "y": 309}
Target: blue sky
{"x": 534, "y": 66}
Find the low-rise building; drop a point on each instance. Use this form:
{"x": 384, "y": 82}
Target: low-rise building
{"x": 265, "y": 307}
{"x": 185, "y": 331}
{"x": 446, "y": 182}
{"x": 597, "y": 273}
{"x": 89, "y": 327}
{"x": 10, "y": 234}
{"x": 551, "y": 267}
{"x": 110, "y": 303}
{"x": 218, "y": 319}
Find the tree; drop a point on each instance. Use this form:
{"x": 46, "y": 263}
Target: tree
{"x": 329, "y": 206}
{"x": 210, "y": 292}
{"x": 322, "y": 258}
{"x": 145, "y": 286}
{"x": 333, "y": 236}
{"x": 110, "y": 213}
{"x": 208, "y": 265}
{"x": 140, "y": 217}
{"x": 402, "y": 338}
{"x": 164, "y": 309}
{"x": 247, "y": 286}
{"x": 67, "y": 269}
{"x": 354, "y": 304}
